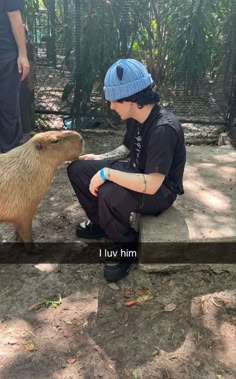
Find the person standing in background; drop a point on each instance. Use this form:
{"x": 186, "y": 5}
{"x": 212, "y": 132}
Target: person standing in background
{"x": 14, "y": 67}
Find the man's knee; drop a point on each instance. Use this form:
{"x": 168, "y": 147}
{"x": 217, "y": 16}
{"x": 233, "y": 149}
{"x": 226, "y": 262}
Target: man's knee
{"x": 75, "y": 169}
{"x": 116, "y": 197}
{"x": 108, "y": 192}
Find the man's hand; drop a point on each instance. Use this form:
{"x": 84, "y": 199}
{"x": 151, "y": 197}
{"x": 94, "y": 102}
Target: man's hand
{"x": 18, "y": 31}
{"x": 90, "y": 157}
{"x": 23, "y": 66}
{"x": 95, "y": 183}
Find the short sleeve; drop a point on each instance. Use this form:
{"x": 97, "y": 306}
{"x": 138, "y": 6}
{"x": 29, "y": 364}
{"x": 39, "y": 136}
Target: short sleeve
{"x": 161, "y": 149}
{"x": 14, "y": 5}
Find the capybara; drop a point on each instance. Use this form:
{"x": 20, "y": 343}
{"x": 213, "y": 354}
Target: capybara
{"x": 26, "y": 172}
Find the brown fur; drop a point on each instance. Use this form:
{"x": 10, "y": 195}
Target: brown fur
{"x": 26, "y": 172}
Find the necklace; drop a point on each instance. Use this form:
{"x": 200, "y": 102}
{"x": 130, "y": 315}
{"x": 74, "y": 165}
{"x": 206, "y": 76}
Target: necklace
{"x": 138, "y": 136}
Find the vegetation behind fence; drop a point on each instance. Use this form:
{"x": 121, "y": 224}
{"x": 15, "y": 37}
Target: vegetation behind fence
{"x": 189, "y": 46}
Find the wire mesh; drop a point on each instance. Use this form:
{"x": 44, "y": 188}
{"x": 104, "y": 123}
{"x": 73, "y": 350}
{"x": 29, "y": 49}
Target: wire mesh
{"x": 76, "y": 41}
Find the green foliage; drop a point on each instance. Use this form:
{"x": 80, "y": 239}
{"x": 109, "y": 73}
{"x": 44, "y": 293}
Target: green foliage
{"x": 180, "y": 41}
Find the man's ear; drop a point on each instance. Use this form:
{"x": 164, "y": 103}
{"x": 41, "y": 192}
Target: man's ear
{"x": 39, "y": 145}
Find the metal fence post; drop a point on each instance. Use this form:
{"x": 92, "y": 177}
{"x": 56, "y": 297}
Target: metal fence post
{"x": 52, "y": 36}
{"x": 77, "y": 100}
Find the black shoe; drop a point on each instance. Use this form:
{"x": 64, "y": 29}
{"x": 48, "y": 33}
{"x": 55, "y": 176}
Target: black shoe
{"x": 118, "y": 267}
{"x": 114, "y": 271}
{"x": 89, "y": 230}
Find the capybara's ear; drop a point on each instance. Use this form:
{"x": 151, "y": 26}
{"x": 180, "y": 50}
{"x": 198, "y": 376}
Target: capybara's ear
{"x": 39, "y": 145}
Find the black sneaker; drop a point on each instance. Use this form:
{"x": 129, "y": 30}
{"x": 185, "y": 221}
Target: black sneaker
{"x": 114, "y": 271}
{"x": 89, "y": 230}
{"x": 118, "y": 268}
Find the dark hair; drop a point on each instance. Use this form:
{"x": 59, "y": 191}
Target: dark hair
{"x": 144, "y": 97}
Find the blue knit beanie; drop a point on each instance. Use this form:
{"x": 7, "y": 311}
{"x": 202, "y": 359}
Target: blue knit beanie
{"x": 125, "y": 78}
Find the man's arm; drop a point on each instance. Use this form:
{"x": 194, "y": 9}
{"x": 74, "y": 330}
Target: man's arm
{"x": 19, "y": 35}
{"x": 143, "y": 183}
{"x": 120, "y": 152}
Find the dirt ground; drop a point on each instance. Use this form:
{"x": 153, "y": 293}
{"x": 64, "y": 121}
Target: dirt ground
{"x": 184, "y": 330}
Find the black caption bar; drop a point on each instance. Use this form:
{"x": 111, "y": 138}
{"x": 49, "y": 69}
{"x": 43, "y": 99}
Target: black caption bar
{"x": 77, "y": 253}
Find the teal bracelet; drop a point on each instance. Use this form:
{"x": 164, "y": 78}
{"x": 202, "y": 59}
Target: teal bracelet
{"x": 102, "y": 174}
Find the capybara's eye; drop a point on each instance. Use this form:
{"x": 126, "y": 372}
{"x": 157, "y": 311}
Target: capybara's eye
{"x": 55, "y": 141}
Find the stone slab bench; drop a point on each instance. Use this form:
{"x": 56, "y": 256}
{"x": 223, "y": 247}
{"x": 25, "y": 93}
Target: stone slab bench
{"x": 205, "y": 213}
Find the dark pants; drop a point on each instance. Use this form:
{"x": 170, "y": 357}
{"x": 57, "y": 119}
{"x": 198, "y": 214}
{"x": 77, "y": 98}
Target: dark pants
{"x": 114, "y": 204}
{"x": 9, "y": 100}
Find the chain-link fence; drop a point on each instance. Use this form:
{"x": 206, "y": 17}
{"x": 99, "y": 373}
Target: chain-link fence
{"x": 189, "y": 48}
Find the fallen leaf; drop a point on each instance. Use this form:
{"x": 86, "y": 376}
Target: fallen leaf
{"x": 203, "y": 304}
{"x": 170, "y": 307}
{"x": 29, "y": 346}
{"x": 203, "y": 300}
{"x": 53, "y": 303}
{"x": 71, "y": 360}
{"x": 219, "y": 376}
{"x": 165, "y": 279}
{"x": 114, "y": 286}
{"x": 171, "y": 283}
{"x": 36, "y": 305}
{"x": 127, "y": 373}
{"x": 143, "y": 298}
{"x": 135, "y": 375}
{"x": 127, "y": 293}
{"x": 138, "y": 292}
{"x": 129, "y": 303}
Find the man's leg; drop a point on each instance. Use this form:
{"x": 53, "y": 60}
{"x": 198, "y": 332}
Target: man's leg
{"x": 115, "y": 206}
{"x": 111, "y": 209}
{"x": 80, "y": 173}
{"x": 157, "y": 203}
{"x": 9, "y": 103}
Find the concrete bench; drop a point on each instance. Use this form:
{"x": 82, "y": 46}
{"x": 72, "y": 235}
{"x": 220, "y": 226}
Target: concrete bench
{"x": 205, "y": 213}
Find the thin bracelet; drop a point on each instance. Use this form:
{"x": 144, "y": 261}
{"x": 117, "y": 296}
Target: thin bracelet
{"x": 102, "y": 175}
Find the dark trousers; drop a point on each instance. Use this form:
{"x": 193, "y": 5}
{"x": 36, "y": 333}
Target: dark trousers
{"x": 9, "y": 100}
{"x": 112, "y": 207}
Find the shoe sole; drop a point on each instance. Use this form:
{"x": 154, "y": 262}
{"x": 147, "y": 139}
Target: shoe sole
{"x": 116, "y": 274}
{"x": 94, "y": 237}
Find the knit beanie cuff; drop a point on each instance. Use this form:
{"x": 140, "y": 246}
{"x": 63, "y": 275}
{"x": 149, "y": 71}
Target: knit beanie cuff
{"x": 125, "y": 90}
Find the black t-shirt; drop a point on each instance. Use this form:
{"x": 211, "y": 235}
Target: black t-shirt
{"x": 8, "y": 45}
{"x": 157, "y": 146}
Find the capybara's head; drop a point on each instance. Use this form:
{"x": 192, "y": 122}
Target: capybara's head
{"x": 58, "y": 146}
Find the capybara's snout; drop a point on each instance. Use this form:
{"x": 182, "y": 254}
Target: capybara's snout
{"x": 75, "y": 143}
{"x": 59, "y": 146}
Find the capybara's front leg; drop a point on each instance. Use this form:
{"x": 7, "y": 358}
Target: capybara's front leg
{"x": 24, "y": 231}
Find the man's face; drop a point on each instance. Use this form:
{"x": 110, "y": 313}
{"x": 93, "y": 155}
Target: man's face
{"x": 124, "y": 110}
